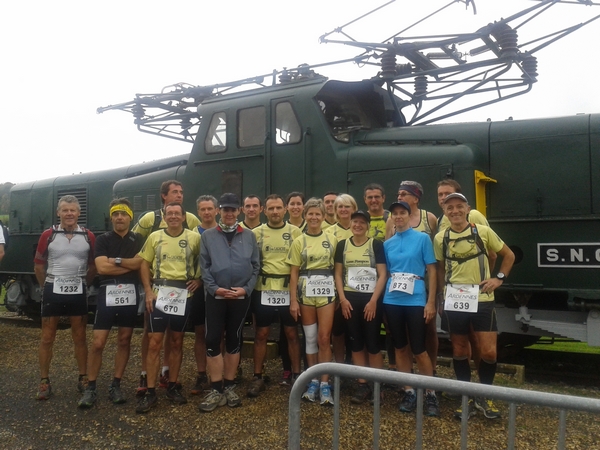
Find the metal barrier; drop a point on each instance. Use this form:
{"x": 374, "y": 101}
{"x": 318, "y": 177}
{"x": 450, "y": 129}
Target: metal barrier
{"x": 509, "y": 395}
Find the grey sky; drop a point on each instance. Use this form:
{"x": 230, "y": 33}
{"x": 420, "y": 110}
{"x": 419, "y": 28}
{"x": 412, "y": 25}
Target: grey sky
{"x": 63, "y": 59}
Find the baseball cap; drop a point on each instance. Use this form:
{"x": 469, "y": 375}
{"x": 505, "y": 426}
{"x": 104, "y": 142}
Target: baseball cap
{"x": 362, "y": 214}
{"x": 229, "y": 200}
{"x": 456, "y": 195}
{"x": 399, "y": 203}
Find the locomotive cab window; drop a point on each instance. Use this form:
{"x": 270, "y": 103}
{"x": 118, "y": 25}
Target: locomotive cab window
{"x": 252, "y": 125}
{"x": 216, "y": 138}
{"x": 287, "y": 127}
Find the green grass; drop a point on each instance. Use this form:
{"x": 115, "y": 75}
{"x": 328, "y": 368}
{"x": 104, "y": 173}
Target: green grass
{"x": 565, "y": 346}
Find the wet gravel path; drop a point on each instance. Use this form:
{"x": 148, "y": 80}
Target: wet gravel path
{"x": 259, "y": 424}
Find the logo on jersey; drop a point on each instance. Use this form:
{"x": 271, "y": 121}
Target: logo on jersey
{"x": 325, "y": 244}
{"x": 183, "y": 243}
{"x": 286, "y": 236}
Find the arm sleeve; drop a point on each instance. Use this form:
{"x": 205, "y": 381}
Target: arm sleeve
{"x": 41, "y": 252}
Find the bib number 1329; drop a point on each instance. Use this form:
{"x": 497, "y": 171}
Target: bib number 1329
{"x": 319, "y": 286}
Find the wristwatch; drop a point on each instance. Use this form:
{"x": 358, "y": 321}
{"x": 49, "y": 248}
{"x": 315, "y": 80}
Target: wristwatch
{"x": 501, "y": 276}
{"x": 118, "y": 261}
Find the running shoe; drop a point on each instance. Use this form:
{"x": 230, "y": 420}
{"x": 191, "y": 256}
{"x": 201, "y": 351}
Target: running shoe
{"x": 487, "y": 407}
{"x": 115, "y": 394}
{"x": 286, "y": 380}
{"x": 146, "y": 403}
{"x": 361, "y": 394}
{"x": 88, "y": 399}
{"x": 233, "y": 400}
{"x": 432, "y": 407}
{"x": 44, "y": 391}
{"x": 174, "y": 394}
{"x": 82, "y": 383}
{"x": 213, "y": 399}
{"x": 164, "y": 380}
{"x": 311, "y": 392}
{"x": 143, "y": 387}
{"x": 201, "y": 385}
{"x": 257, "y": 385}
{"x": 470, "y": 412}
{"x": 326, "y": 397}
{"x": 409, "y": 402}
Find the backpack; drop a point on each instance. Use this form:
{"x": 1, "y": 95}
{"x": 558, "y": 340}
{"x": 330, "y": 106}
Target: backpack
{"x": 481, "y": 254}
{"x": 84, "y": 232}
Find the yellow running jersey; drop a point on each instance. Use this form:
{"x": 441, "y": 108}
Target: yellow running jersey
{"x": 312, "y": 253}
{"x": 274, "y": 245}
{"x": 339, "y": 232}
{"x": 146, "y": 223}
{"x": 377, "y": 226}
{"x": 173, "y": 257}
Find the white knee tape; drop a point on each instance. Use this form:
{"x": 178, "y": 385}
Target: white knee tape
{"x": 311, "y": 337}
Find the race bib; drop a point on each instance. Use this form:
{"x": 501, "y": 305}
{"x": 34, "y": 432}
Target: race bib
{"x": 275, "y": 298}
{"x": 462, "y": 298}
{"x": 68, "y": 285}
{"x": 320, "y": 286}
{"x": 120, "y": 295}
{"x": 403, "y": 282}
{"x": 171, "y": 300}
{"x": 362, "y": 279}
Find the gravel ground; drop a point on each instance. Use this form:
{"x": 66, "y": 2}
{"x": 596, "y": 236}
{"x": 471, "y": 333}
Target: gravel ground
{"x": 259, "y": 424}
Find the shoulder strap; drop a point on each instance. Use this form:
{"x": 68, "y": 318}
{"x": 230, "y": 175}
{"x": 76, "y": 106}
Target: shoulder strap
{"x": 386, "y": 214}
{"x": 157, "y": 220}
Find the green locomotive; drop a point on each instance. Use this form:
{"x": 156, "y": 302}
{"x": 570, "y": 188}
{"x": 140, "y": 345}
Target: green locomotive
{"x": 537, "y": 181}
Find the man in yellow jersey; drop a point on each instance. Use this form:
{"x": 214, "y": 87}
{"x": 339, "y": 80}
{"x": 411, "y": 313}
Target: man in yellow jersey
{"x": 171, "y": 191}
{"x": 170, "y": 275}
{"x": 444, "y": 189}
{"x": 271, "y": 295}
{"x": 466, "y": 284}
{"x": 328, "y": 201}
{"x": 252, "y": 208}
{"x": 374, "y": 196}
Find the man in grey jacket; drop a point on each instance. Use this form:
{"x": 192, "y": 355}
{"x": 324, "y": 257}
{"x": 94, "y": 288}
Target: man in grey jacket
{"x": 229, "y": 260}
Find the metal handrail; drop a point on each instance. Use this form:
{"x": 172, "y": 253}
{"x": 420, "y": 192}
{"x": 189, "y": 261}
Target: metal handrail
{"x": 420, "y": 382}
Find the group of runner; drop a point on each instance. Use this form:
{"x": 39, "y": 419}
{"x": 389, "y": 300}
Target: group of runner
{"x": 339, "y": 271}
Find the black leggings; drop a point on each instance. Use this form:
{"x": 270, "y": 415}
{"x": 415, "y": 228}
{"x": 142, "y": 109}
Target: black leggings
{"x": 362, "y": 332}
{"x": 225, "y": 315}
{"x": 403, "y": 320}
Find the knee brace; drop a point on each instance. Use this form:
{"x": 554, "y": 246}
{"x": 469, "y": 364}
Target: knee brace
{"x": 311, "y": 336}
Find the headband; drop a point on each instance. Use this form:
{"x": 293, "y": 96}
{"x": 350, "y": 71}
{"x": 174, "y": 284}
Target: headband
{"x": 411, "y": 188}
{"x": 122, "y": 207}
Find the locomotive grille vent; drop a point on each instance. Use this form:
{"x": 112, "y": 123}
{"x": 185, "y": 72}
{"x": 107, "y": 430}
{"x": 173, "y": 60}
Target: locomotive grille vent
{"x": 151, "y": 202}
{"x": 137, "y": 202}
{"x": 81, "y": 195}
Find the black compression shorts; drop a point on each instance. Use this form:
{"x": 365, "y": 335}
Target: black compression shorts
{"x": 115, "y": 316}
{"x": 58, "y": 305}
{"x": 265, "y": 315}
{"x": 483, "y": 320}
{"x": 407, "y": 323}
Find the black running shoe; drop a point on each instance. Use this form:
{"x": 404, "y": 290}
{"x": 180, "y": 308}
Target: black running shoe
{"x": 146, "y": 403}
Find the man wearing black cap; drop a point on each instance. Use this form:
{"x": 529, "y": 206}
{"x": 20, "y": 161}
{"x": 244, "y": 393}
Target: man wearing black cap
{"x": 229, "y": 260}
{"x": 408, "y": 305}
{"x": 466, "y": 284}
